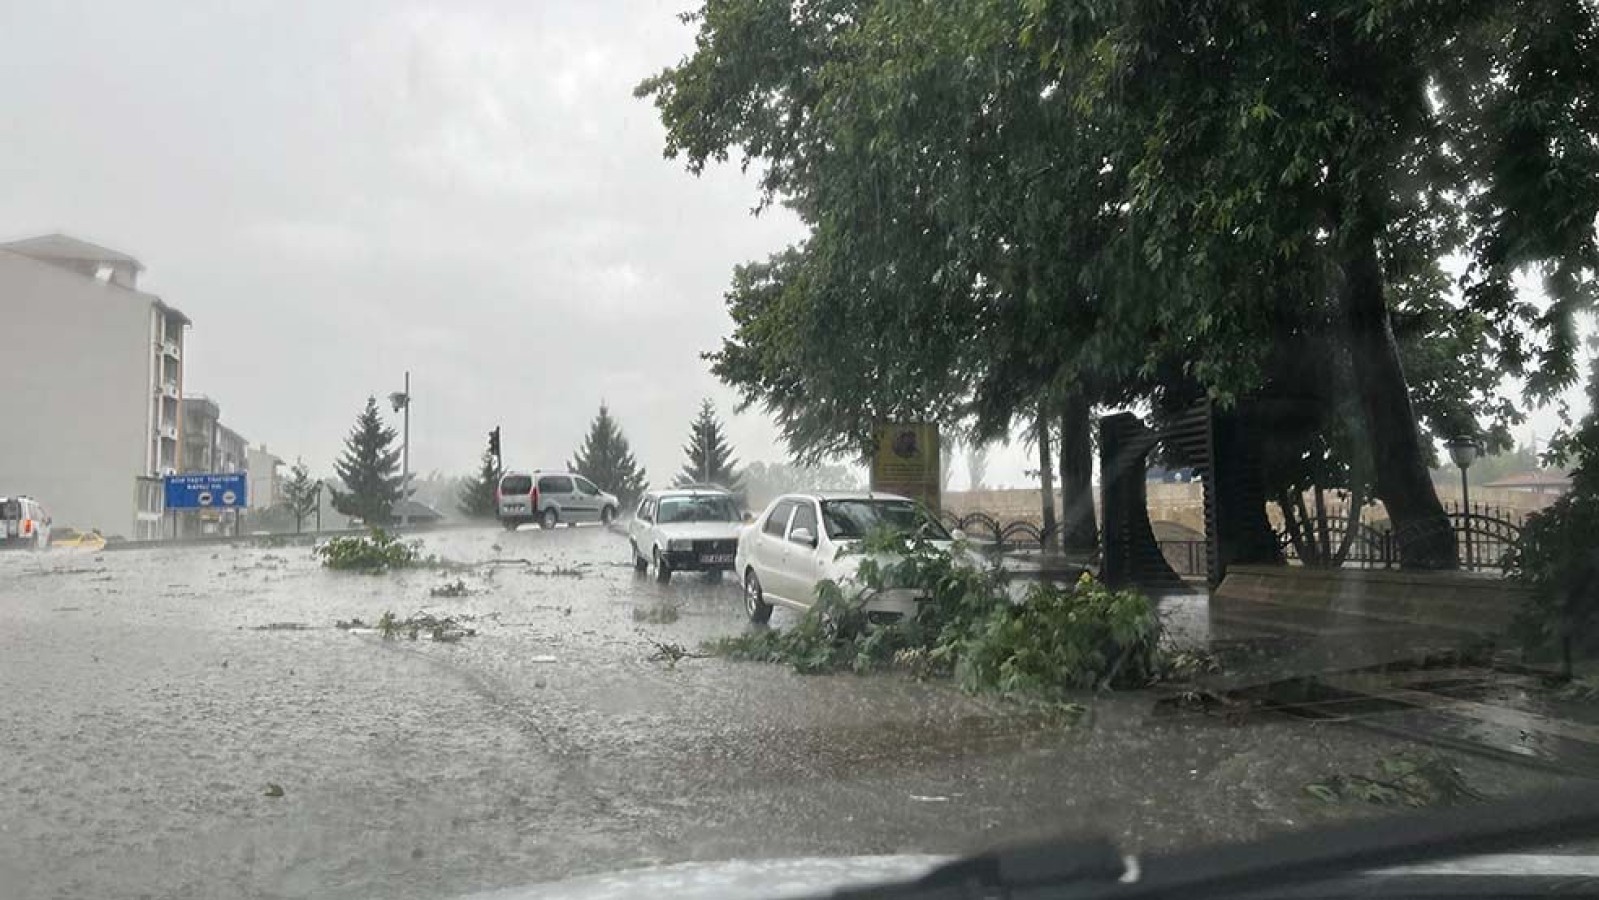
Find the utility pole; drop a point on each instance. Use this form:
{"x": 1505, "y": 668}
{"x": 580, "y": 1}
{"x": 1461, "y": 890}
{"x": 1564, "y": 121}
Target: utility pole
{"x": 402, "y": 404}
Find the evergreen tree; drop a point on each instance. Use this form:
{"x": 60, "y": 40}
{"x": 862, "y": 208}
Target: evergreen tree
{"x": 301, "y": 494}
{"x": 710, "y": 456}
{"x": 369, "y": 470}
{"x": 606, "y": 460}
{"x": 477, "y": 494}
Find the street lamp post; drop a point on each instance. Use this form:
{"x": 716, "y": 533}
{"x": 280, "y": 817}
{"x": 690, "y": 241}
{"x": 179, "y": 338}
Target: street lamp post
{"x": 402, "y": 404}
{"x": 1463, "y": 450}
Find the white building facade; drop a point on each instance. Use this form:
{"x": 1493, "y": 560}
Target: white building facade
{"x": 90, "y": 417}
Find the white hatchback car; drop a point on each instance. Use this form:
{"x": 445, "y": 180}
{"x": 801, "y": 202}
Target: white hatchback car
{"x": 796, "y": 544}
{"x": 685, "y": 530}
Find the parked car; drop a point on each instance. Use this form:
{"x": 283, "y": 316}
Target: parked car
{"x": 796, "y": 544}
{"x": 685, "y": 530}
{"x": 24, "y": 523}
{"x": 551, "y": 498}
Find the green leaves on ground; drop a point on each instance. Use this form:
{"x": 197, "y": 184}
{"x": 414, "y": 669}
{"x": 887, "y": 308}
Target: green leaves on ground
{"x": 1057, "y": 640}
{"x": 1405, "y": 779}
{"x": 375, "y": 552}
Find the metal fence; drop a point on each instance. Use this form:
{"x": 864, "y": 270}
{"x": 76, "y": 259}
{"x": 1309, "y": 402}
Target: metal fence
{"x": 1485, "y": 535}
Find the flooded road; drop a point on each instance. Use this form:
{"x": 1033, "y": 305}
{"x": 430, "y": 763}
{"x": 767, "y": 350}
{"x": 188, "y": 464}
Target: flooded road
{"x": 153, "y": 701}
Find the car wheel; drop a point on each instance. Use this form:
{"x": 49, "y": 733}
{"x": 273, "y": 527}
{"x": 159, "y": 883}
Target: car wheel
{"x": 640, "y": 564}
{"x": 549, "y": 518}
{"x": 607, "y": 516}
{"x": 663, "y": 569}
{"x": 754, "y": 601}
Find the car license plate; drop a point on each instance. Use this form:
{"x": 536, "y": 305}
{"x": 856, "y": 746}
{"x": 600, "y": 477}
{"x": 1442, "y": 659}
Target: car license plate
{"x": 714, "y": 559}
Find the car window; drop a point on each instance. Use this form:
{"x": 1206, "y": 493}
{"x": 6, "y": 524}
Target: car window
{"x": 555, "y": 484}
{"x": 646, "y": 509}
{"x": 587, "y": 487}
{"x": 10, "y": 509}
{"x": 777, "y": 521}
{"x": 516, "y": 484}
{"x": 804, "y": 517}
{"x": 854, "y": 519}
{"x": 707, "y": 508}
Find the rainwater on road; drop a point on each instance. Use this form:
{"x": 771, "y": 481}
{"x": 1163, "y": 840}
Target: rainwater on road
{"x": 149, "y": 716}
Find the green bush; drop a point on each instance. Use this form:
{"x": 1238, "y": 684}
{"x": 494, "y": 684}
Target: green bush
{"x": 1059, "y": 639}
{"x": 375, "y": 552}
{"x": 1557, "y": 559}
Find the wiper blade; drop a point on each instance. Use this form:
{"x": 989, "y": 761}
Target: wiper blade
{"x": 1091, "y": 870}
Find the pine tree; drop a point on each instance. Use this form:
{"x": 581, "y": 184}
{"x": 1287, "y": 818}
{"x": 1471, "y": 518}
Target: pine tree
{"x": 301, "y": 493}
{"x": 369, "y": 470}
{"x": 476, "y": 500}
{"x": 606, "y": 460}
{"x": 710, "y": 456}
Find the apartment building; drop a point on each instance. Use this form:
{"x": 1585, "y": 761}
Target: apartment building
{"x": 91, "y": 413}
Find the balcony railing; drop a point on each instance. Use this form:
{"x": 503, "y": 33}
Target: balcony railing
{"x": 168, "y": 431}
{"x": 171, "y": 348}
{"x": 168, "y": 389}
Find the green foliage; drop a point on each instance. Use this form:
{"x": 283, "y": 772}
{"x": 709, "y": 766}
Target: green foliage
{"x": 369, "y": 469}
{"x": 1008, "y": 200}
{"x": 476, "y": 498}
{"x": 710, "y": 457}
{"x": 443, "y": 629}
{"x": 1406, "y": 779}
{"x": 1059, "y": 640}
{"x": 606, "y": 459}
{"x": 301, "y": 494}
{"x": 1558, "y": 559}
{"x": 376, "y": 552}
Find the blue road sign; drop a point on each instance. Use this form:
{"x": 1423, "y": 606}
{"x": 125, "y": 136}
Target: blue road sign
{"x": 214, "y": 490}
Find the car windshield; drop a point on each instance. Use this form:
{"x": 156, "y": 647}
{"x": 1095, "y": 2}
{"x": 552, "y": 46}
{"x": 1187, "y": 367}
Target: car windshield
{"x": 436, "y": 436}
{"x": 855, "y": 519}
{"x": 697, "y": 509}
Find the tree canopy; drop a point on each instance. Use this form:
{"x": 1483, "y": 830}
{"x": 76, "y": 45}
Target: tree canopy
{"x": 606, "y": 459}
{"x": 710, "y": 456}
{"x": 1012, "y": 203}
{"x": 369, "y": 469}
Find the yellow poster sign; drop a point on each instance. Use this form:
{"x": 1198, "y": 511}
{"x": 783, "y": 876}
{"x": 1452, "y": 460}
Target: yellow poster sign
{"x": 906, "y": 461}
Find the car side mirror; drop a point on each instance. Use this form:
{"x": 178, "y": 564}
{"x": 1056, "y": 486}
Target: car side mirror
{"x": 802, "y": 536}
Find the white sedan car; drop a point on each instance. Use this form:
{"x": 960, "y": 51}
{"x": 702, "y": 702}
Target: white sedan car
{"x": 794, "y": 545}
{"x": 685, "y": 530}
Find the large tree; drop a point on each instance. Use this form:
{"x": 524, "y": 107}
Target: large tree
{"x": 606, "y": 459}
{"x": 710, "y": 456}
{"x": 369, "y": 470}
{"x": 476, "y": 499}
{"x": 1045, "y": 206}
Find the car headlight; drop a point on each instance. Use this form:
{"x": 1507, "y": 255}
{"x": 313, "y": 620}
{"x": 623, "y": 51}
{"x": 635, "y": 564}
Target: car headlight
{"x": 680, "y": 544}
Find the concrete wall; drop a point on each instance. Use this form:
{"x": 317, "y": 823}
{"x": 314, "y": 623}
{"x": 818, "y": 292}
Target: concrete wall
{"x": 75, "y": 354}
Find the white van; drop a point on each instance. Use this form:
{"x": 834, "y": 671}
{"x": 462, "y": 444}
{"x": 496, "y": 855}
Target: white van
{"x": 24, "y": 523}
{"x": 551, "y": 498}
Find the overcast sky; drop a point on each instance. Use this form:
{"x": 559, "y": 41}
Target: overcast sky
{"x": 335, "y": 192}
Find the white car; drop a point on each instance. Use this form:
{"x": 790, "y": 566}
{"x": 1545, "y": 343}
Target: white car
{"x": 685, "y": 530}
{"x": 24, "y": 523}
{"x": 796, "y": 544}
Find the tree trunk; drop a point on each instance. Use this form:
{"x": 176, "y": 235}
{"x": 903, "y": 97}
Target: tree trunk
{"x": 1420, "y": 525}
{"x": 1047, "y": 477}
{"x": 1078, "y": 530}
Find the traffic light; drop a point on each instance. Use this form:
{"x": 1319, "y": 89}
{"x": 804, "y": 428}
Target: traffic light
{"x": 494, "y": 442}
